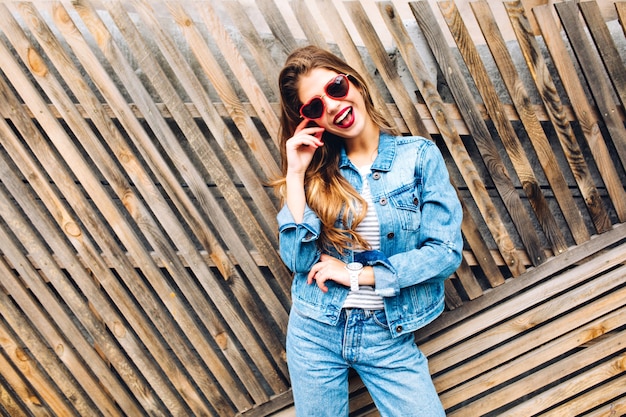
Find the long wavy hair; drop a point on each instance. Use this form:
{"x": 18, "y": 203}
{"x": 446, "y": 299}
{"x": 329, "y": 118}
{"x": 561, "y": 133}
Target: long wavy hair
{"x": 327, "y": 192}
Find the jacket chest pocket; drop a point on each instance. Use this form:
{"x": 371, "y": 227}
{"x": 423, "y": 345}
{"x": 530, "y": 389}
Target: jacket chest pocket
{"x": 405, "y": 203}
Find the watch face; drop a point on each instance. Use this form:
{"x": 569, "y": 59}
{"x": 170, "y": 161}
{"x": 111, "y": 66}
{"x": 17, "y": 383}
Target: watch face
{"x": 354, "y": 266}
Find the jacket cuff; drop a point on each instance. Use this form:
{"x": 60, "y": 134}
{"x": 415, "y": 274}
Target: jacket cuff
{"x": 385, "y": 274}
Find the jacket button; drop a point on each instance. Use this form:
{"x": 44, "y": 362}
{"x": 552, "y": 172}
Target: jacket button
{"x": 415, "y": 201}
{"x": 390, "y": 235}
{"x": 376, "y": 175}
{"x": 398, "y": 329}
{"x": 383, "y": 201}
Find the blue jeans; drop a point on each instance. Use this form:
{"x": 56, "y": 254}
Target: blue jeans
{"x": 394, "y": 370}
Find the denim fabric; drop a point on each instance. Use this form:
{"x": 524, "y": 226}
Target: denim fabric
{"x": 420, "y": 237}
{"x": 394, "y": 370}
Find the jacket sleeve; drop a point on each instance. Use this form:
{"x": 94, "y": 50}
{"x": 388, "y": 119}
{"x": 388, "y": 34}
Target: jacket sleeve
{"x": 298, "y": 241}
{"x": 439, "y": 246}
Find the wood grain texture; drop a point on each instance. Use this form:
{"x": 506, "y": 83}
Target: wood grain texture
{"x": 139, "y": 263}
{"x": 547, "y": 89}
{"x": 521, "y": 99}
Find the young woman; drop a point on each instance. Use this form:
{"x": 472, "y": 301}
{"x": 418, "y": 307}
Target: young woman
{"x": 371, "y": 229}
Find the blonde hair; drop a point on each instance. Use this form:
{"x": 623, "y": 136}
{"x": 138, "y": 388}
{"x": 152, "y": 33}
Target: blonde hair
{"x": 327, "y": 192}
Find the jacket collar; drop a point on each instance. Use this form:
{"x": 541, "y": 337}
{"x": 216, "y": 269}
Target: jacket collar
{"x": 386, "y": 153}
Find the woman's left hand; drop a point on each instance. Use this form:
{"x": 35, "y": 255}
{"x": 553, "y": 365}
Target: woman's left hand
{"x": 328, "y": 268}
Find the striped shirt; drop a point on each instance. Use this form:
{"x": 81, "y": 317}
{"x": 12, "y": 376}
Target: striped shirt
{"x": 366, "y": 298}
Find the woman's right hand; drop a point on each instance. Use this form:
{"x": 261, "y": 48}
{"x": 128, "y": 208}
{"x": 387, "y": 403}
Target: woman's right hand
{"x": 301, "y": 147}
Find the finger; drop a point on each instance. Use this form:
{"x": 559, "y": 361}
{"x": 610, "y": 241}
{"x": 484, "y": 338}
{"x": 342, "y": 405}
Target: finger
{"x": 321, "y": 283}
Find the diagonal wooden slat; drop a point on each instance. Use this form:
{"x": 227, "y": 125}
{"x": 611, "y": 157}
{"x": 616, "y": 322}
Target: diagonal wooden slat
{"x": 545, "y": 85}
{"x": 599, "y": 80}
{"x": 586, "y": 116}
{"x": 455, "y": 146}
{"x": 512, "y": 144}
{"x": 537, "y": 135}
{"x": 480, "y": 134}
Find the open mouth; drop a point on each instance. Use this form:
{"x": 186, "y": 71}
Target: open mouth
{"x": 345, "y": 118}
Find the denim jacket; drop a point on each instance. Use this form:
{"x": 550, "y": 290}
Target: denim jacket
{"x": 420, "y": 237}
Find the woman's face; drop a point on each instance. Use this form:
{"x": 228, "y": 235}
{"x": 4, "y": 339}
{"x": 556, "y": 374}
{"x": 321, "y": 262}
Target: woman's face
{"x": 346, "y": 117}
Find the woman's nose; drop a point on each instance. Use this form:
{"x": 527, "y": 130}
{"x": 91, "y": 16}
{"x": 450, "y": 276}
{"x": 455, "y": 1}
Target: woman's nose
{"x": 331, "y": 104}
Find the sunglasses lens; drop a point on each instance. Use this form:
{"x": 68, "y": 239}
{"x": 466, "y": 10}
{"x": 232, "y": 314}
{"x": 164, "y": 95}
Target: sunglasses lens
{"x": 338, "y": 88}
{"x": 313, "y": 109}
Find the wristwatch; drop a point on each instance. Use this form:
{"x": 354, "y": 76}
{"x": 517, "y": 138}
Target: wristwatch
{"x": 354, "y": 269}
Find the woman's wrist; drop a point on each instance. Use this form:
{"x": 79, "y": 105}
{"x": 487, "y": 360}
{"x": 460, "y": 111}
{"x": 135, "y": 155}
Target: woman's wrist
{"x": 367, "y": 276}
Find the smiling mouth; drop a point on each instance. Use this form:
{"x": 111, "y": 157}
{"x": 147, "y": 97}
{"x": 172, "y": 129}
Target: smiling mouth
{"x": 344, "y": 118}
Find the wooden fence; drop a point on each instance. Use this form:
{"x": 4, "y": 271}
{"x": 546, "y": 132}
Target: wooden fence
{"x": 138, "y": 265}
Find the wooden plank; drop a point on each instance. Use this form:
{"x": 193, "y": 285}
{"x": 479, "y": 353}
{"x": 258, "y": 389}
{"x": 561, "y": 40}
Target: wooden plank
{"x": 620, "y": 7}
{"x": 256, "y": 47}
{"x": 233, "y": 153}
{"x": 312, "y": 32}
{"x": 131, "y": 240}
{"x": 159, "y": 206}
{"x": 237, "y": 205}
{"x": 85, "y": 281}
{"x": 387, "y": 70}
{"x": 459, "y": 154}
{"x": 277, "y": 24}
{"x": 552, "y": 373}
{"x": 60, "y": 365}
{"x": 511, "y": 329}
{"x": 266, "y": 160}
{"x": 496, "y": 366}
{"x": 209, "y": 160}
{"x": 532, "y": 296}
{"x": 520, "y": 97}
{"x": 206, "y": 199}
{"x": 511, "y": 142}
{"x": 187, "y": 208}
{"x": 582, "y": 107}
{"x": 240, "y": 70}
{"x": 607, "y": 393}
{"x": 107, "y": 347}
{"x": 265, "y": 291}
{"x": 616, "y": 407}
{"x": 70, "y": 347}
{"x": 555, "y": 110}
{"x": 597, "y": 79}
{"x": 54, "y": 309}
{"x": 84, "y": 209}
{"x": 615, "y": 68}
{"x": 596, "y": 244}
{"x": 196, "y": 261}
{"x": 21, "y": 392}
{"x": 479, "y": 132}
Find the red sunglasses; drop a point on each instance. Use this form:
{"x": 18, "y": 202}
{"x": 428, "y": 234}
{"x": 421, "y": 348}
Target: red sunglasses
{"x": 337, "y": 88}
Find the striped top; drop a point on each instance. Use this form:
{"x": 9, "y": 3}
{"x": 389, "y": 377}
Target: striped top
{"x": 369, "y": 229}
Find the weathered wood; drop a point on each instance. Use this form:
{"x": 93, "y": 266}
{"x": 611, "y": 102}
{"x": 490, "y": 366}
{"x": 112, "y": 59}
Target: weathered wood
{"x": 26, "y": 391}
{"x": 452, "y": 139}
{"x": 511, "y": 142}
{"x": 480, "y": 134}
{"x": 526, "y": 353}
{"x": 597, "y": 79}
{"x": 597, "y": 244}
{"x": 143, "y": 217}
{"x": 138, "y": 242}
{"x": 521, "y": 100}
{"x": 586, "y": 116}
{"x": 237, "y": 64}
{"x": 479, "y": 322}
{"x": 548, "y": 92}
